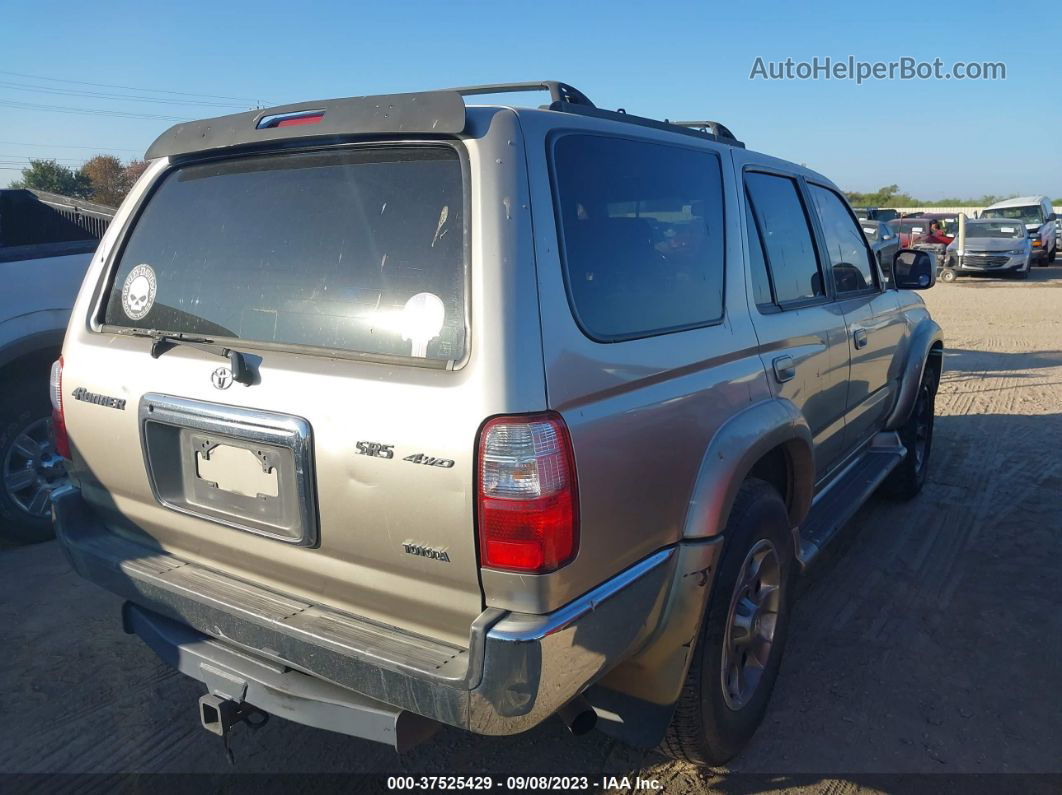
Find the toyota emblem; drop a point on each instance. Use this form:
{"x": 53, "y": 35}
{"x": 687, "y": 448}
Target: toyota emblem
{"x": 221, "y": 378}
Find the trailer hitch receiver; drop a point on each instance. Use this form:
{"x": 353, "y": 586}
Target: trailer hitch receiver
{"x": 219, "y": 715}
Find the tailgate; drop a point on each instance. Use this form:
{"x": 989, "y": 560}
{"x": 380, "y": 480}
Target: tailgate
{"x": 343, "y": 472}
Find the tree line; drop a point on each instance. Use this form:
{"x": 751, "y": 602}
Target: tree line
{"x": 103, "y": 179}
{"x": 892, "y": 196}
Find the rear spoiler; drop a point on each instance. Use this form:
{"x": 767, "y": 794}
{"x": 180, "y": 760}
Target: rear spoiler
{"x": 428, "y": 112}
{"x": 423, "y": 113}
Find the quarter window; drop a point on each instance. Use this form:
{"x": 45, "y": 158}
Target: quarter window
{"x": 761, "y": 282}
{"x": 786, "y": 235}
{"x": 642, "y": 232}
{"x": 845, "y": 245}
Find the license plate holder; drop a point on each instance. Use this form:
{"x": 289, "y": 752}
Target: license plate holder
{"x": 247, "y": 469}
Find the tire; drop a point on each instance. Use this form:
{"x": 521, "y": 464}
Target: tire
{"x": 712, "y": 720}
{"x": 948, "y": 275}
{"x": 1021, "y": 275}
{"x": 908, "y": 478}
{"x": 25, "y": 420}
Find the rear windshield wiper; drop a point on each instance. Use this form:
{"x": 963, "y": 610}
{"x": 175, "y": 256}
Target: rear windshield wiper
{"x": 241, "y": 372}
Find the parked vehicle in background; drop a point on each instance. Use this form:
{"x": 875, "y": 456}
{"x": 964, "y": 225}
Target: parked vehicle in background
{"x": 875, "y": 214}
{"x": 915, "y": 230}
{"x": 46, "y": 243}
{"x": 884, "y": 242}
{"x": 992, "y": 246}
{"x": 948, "y": 223}
{"x": 1039, "y": 218}
{"x": 531, "y": 410}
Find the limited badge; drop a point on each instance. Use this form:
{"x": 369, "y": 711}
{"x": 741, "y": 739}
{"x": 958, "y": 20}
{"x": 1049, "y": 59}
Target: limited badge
{"x": 138, "y": 292}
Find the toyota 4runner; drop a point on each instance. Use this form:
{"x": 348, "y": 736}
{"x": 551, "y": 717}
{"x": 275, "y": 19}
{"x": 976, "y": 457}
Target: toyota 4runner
{"x": 386, "y": 412}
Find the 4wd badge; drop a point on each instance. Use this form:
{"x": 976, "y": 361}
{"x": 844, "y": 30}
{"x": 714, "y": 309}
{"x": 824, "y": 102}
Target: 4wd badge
{"x": 138, "y": 292}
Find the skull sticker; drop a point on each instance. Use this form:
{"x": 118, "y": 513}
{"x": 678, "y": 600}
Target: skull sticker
{"x": 138, "y": 292}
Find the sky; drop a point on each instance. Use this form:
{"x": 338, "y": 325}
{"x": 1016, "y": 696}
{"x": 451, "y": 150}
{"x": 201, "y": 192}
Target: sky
{"x": 934, "y": 138}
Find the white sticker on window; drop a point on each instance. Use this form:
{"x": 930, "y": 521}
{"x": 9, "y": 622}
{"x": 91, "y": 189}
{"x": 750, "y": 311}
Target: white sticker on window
{"x": 422, "y": 320}
{"x": 138, "y": 292}
{"x": 1008, "y": 229}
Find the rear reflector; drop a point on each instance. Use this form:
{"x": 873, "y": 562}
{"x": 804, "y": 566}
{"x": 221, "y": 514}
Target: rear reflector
{"x": 528, "y": 518}
{"x": 59, "y": 435}
{"x": 291, "y": 119}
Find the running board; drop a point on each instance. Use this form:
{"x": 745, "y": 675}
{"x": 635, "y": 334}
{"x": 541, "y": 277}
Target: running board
{"x": 839, "y": 502}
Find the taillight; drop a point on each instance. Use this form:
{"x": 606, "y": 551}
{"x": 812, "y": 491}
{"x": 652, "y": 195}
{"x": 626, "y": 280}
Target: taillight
{"x": 290, "y": 119}
{"x": 527, "y": 498}
{"x": 62, "y": 441}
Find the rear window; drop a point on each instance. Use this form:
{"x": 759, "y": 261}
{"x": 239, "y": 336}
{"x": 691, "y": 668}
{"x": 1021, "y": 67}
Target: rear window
{"x": 642, "y": 227}
{"x": 359, "y": 250}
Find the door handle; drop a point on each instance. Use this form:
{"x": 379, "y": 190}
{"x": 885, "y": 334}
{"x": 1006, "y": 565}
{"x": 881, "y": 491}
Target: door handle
{"x": 784, "y": 370}
{"x": 859, "y": 338}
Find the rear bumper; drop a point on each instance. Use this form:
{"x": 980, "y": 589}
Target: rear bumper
{"x": 518, "y": 668}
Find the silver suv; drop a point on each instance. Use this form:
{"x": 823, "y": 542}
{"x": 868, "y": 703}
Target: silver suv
{"x": 388, "y": 412}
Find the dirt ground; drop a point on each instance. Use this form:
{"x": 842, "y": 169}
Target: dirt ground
{"x": 928, "y": 641}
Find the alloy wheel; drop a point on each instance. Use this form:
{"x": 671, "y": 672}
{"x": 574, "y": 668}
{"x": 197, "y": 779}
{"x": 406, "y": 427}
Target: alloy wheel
{"x": 751, "y": 623}
{"x": 32, "y": 469}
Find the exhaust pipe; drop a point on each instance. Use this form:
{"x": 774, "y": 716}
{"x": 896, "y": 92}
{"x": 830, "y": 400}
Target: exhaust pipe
{"x": 578, "y": 716}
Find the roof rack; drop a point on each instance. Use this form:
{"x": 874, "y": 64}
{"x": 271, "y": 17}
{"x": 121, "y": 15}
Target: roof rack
{"x": 566, "y": 98}
{"x": 558, "y": 92}
{"x": 706, "y": 125}
{"x": 440, "y": 112}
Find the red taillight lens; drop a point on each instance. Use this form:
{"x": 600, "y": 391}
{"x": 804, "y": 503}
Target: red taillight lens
{"x": 527, "y": 497}
{"x": 290, "y": 119}
{"x": 62, "y": 441}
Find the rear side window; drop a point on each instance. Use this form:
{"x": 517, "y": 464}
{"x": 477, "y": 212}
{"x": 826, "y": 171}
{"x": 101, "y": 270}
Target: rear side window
{"x": 845, "y": 247}
{"x": 761, "y": 282}
{"x": 642, "y": 230}
{"x": 786, "y": 235}
{"x": 358, "y": 250}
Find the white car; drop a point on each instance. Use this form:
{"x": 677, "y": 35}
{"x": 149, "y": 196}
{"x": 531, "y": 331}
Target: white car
{"x": 1039, "y": 218}
{"x": 992, "y": 246}
{"x": 46, "y": 244}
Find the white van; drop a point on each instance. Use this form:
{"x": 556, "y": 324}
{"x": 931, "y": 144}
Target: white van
{"x": 1039, "y": 218}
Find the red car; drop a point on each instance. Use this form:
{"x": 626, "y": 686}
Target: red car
{"x": 917, "y": 230}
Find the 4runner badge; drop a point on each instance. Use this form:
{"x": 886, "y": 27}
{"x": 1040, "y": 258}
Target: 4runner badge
{"x": 221, "y": 378}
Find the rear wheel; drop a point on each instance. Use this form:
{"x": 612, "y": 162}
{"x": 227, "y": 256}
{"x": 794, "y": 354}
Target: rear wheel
{"x": 739, "y": 650}
{"x": 1053, "y": 254}
{"x": 30, "y": 469}
{"x": 907, "y": 480}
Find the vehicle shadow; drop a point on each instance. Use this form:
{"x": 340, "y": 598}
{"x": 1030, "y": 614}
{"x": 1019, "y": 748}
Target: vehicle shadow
{"x": 1051, "y": 276}
{"x": 987, "y": 363}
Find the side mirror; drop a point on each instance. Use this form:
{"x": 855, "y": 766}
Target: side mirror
{"x": 1052, "y": 217}
{"x": 913, "y": 270}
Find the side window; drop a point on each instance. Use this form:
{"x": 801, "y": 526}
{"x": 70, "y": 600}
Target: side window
{"x": 845, "y": 246}
{"x": 642, "y": 232}
{"x": 761, "y": 282}
{"x": 786, "y": 235}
